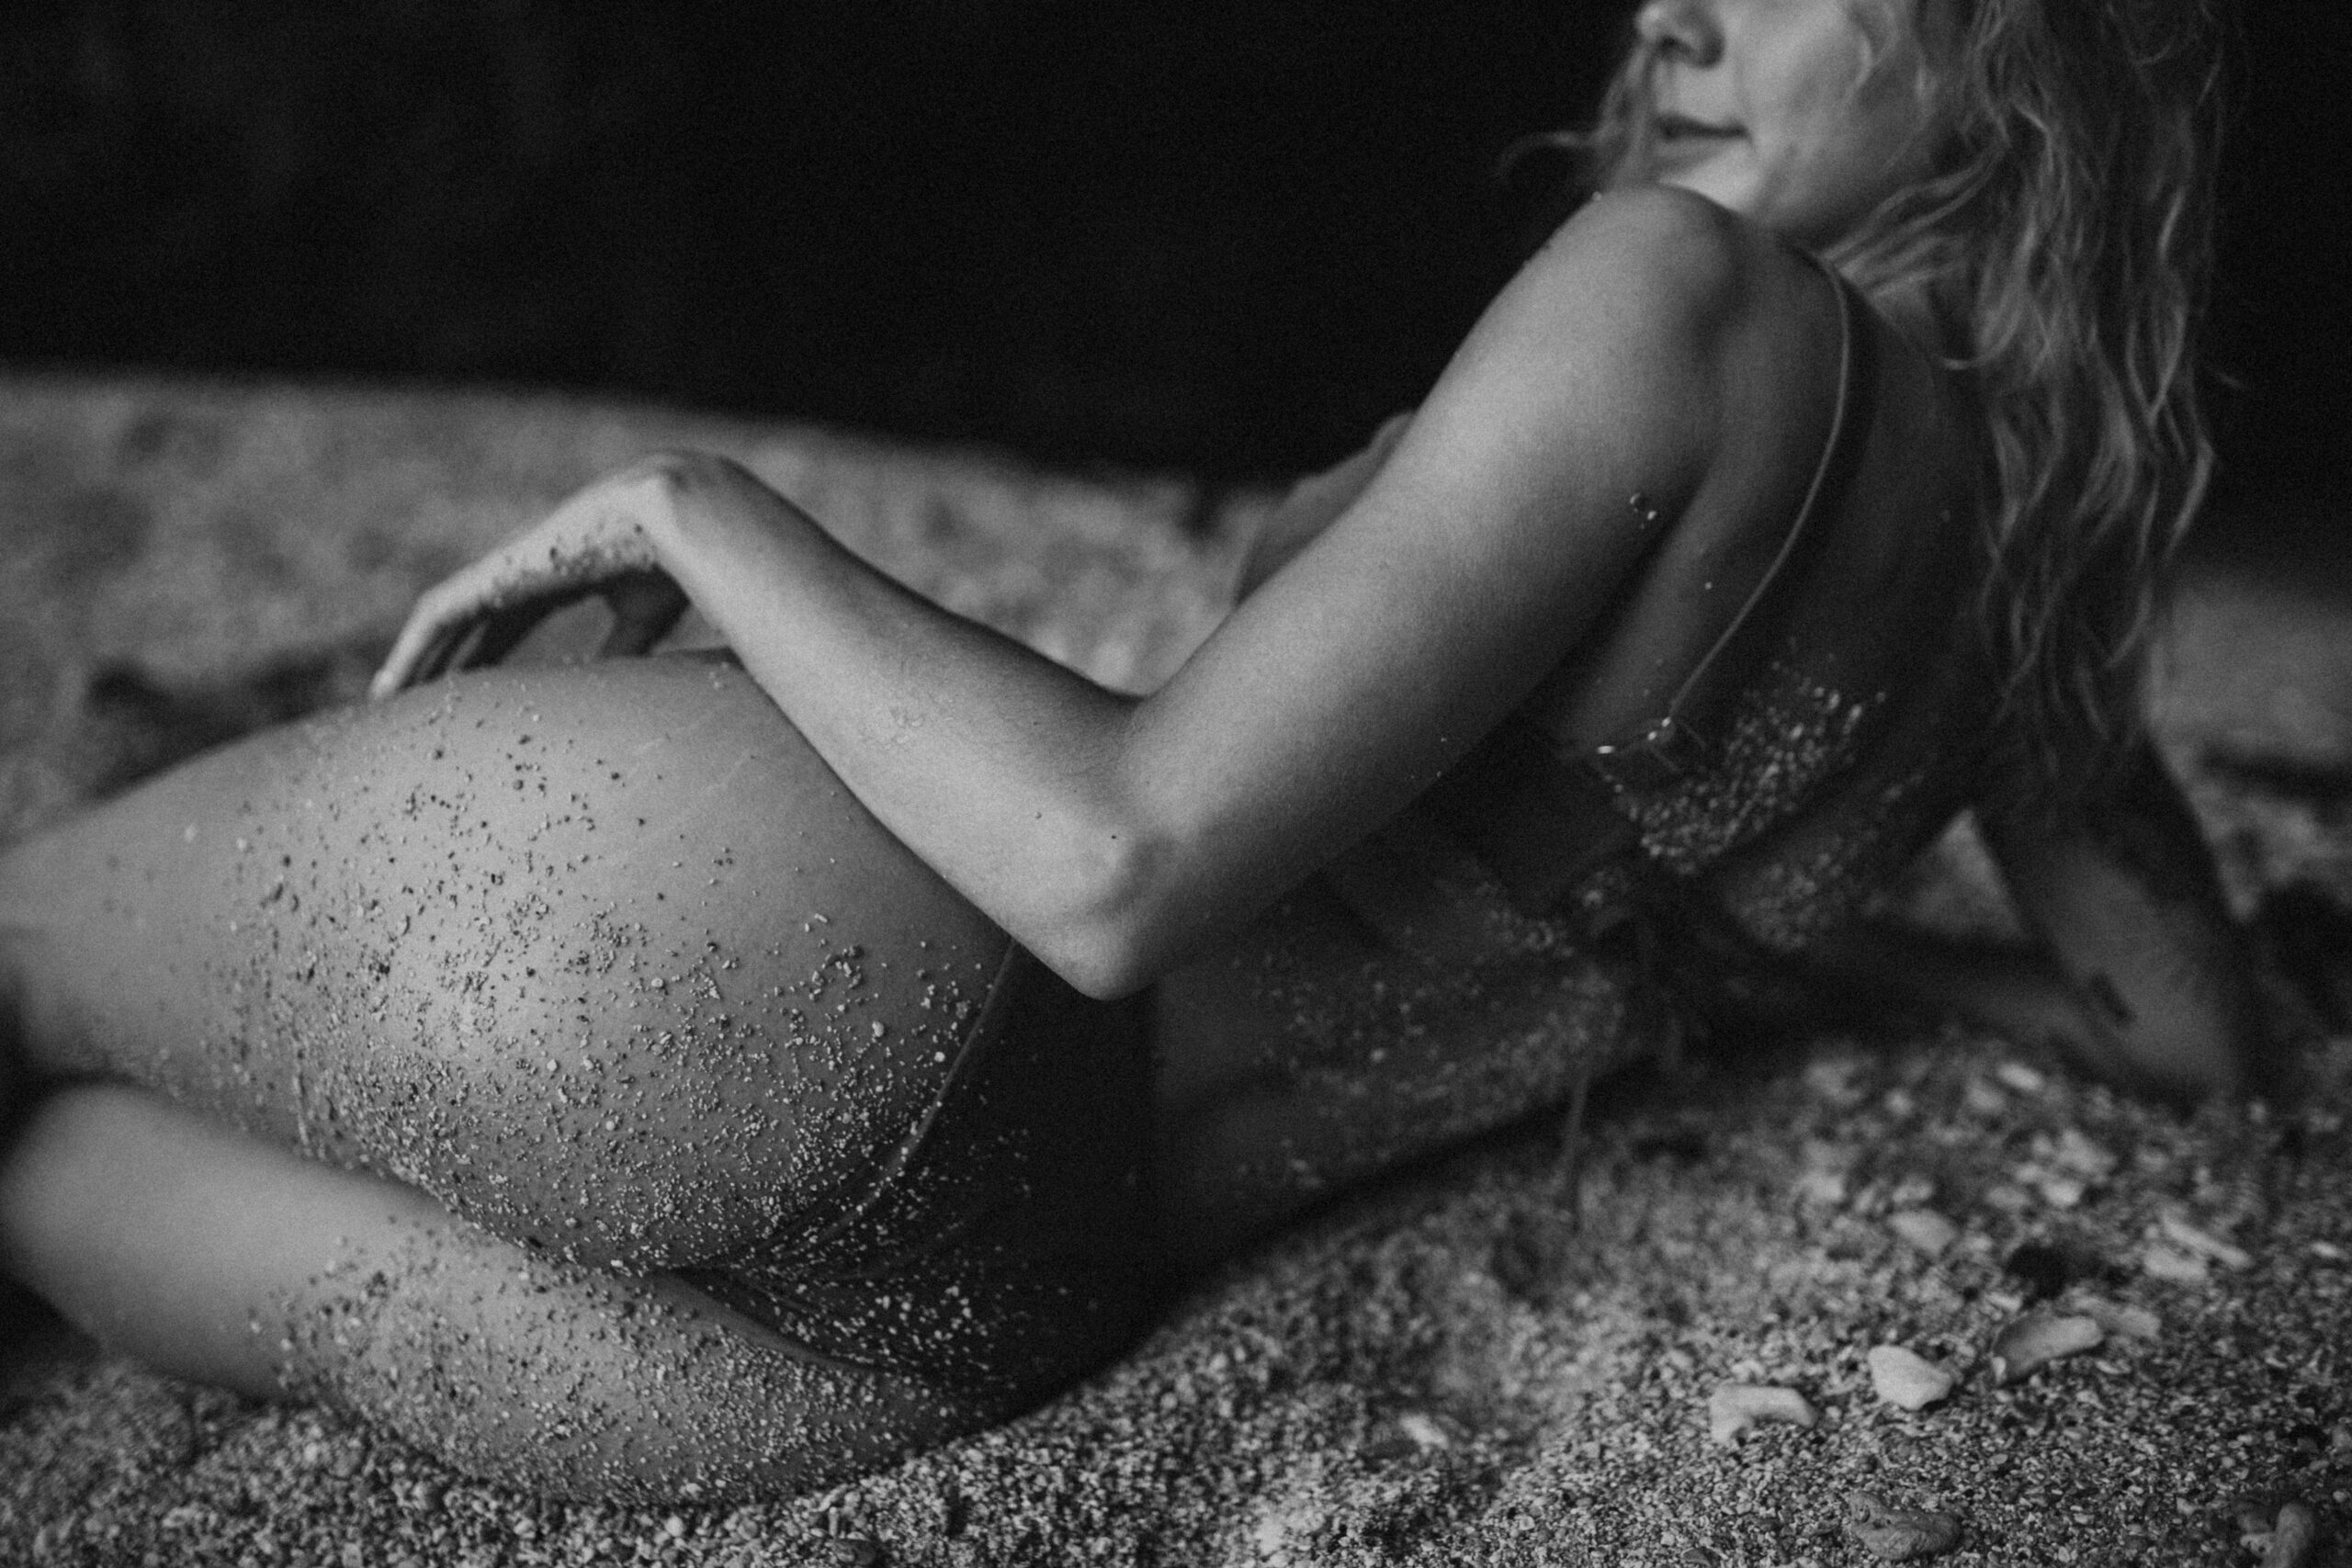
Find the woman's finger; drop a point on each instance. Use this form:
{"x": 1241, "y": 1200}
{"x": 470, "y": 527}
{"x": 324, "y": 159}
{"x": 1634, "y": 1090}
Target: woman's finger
{"x": 440, "y": 654}
{"x": 439, "y": 627}
{"x": 413, "y": 651}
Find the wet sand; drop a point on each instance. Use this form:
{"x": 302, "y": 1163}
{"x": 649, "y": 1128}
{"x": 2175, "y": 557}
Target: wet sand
{"x": 1497, "y": 1358}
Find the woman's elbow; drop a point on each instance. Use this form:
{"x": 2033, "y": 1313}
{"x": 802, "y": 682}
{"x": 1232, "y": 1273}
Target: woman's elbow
{"x": 1107, "y": 940}
{"x": 1100, "y": 973}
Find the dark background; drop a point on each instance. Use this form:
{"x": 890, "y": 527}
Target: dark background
{"x": 1224, "y": 235}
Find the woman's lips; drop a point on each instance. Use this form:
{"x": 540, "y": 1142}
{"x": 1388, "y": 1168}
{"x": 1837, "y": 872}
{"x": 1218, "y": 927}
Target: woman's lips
{"x": 1678, "y": 128}
{"x": 1680, "y": 143}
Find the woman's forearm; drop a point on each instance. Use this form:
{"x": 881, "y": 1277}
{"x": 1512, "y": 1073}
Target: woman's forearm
{"x": 2117, "y": 883}
{"x": 997, "y": 767}
{"x": 1113, "y": 836}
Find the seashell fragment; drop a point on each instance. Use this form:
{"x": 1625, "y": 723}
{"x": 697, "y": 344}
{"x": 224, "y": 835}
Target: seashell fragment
{"x": 1898, "y": 1535}
{"x": 1924, "y": 1228}
{"x": 2038, "y": 1338}
{"x": 1906, "y": 1380}
{"x": 2289, "y": 1541}
{"x": 2202, "y": 1243}
{"x": 2161, "y": 1262}
{"x": 1736, "y": 1406}
{"x": 2118, "y": 1321}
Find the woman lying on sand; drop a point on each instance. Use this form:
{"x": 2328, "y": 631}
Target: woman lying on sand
{"x": 685, "y": 1077}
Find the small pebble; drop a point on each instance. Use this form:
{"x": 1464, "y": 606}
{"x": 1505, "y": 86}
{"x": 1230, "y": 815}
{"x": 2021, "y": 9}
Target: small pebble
{"x": 2038, "y": 1338}
{"x": 2057, "y": 1189}
{"x": 1424, "y": 1430}
{"x": 1825, "y": 1188}
{"x": 1832, "y": 1079}
{"x": 2021, "y": 1077}
{"x": 1913, "y": 1191}
{"x": 1906, "y": 1380}
{"x": 1736, "y": 1406}
{"x": 1898, "y": 1535}
{"x": 2077, "y": 1153}
{"x": 2008, "y": 1198}
{"x": 1924, "y": 1229}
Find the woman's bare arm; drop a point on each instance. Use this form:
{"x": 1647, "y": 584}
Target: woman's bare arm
{"x": 2119, "y": 887}
{"x": 2145, "y": 977}
{"x": 1315, "y": 502}
{"x": 1113, "y": 835}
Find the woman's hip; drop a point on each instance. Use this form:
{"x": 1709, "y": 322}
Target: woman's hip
{"x": 461, "y": 936}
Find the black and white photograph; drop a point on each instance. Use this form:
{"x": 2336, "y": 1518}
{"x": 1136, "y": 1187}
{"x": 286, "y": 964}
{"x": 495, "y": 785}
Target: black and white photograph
{"x": 935, "y": 783}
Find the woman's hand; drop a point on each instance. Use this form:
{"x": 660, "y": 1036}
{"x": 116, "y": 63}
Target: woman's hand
{"x": 2111, "y": 870}
{"x": 599, "y": 543}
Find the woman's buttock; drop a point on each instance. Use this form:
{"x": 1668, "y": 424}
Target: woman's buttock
{"x": 608, "y": 962}
{"x": 520, "y": 939}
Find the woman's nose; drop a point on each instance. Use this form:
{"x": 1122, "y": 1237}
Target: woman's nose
{"x": 1684, "y": 28}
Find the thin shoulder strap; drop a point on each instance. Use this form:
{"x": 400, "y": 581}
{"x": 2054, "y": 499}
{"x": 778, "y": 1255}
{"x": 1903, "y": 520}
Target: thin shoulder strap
{"x": 1540, "y": 821}
{"x": 1669, "y": 745}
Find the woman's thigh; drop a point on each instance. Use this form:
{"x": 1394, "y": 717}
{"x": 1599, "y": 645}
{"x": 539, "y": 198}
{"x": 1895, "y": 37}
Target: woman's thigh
{"x": 603, "y": 958}
{"x": 219, "y": 1257}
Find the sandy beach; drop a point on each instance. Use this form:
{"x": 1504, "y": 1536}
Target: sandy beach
{"x": 1663, "y": 1346}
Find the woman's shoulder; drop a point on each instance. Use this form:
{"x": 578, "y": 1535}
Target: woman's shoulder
{"x": 1652, "y": 333}
{"x": 1669, "y": 259}
{"x": 1665, "y": 221}
{"x": 1654, "y": 279}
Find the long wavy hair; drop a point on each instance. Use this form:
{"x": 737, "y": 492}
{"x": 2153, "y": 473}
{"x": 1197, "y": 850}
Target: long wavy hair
{"x": 2062, "y": 235}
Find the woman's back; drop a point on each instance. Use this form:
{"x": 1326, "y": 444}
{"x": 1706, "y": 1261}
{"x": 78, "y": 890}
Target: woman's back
{"x": 1803, "y": 624}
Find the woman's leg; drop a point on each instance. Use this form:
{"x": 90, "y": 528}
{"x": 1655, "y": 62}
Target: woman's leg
{"x": 603, "y": 962}
{"x": 219, "y": 1257}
